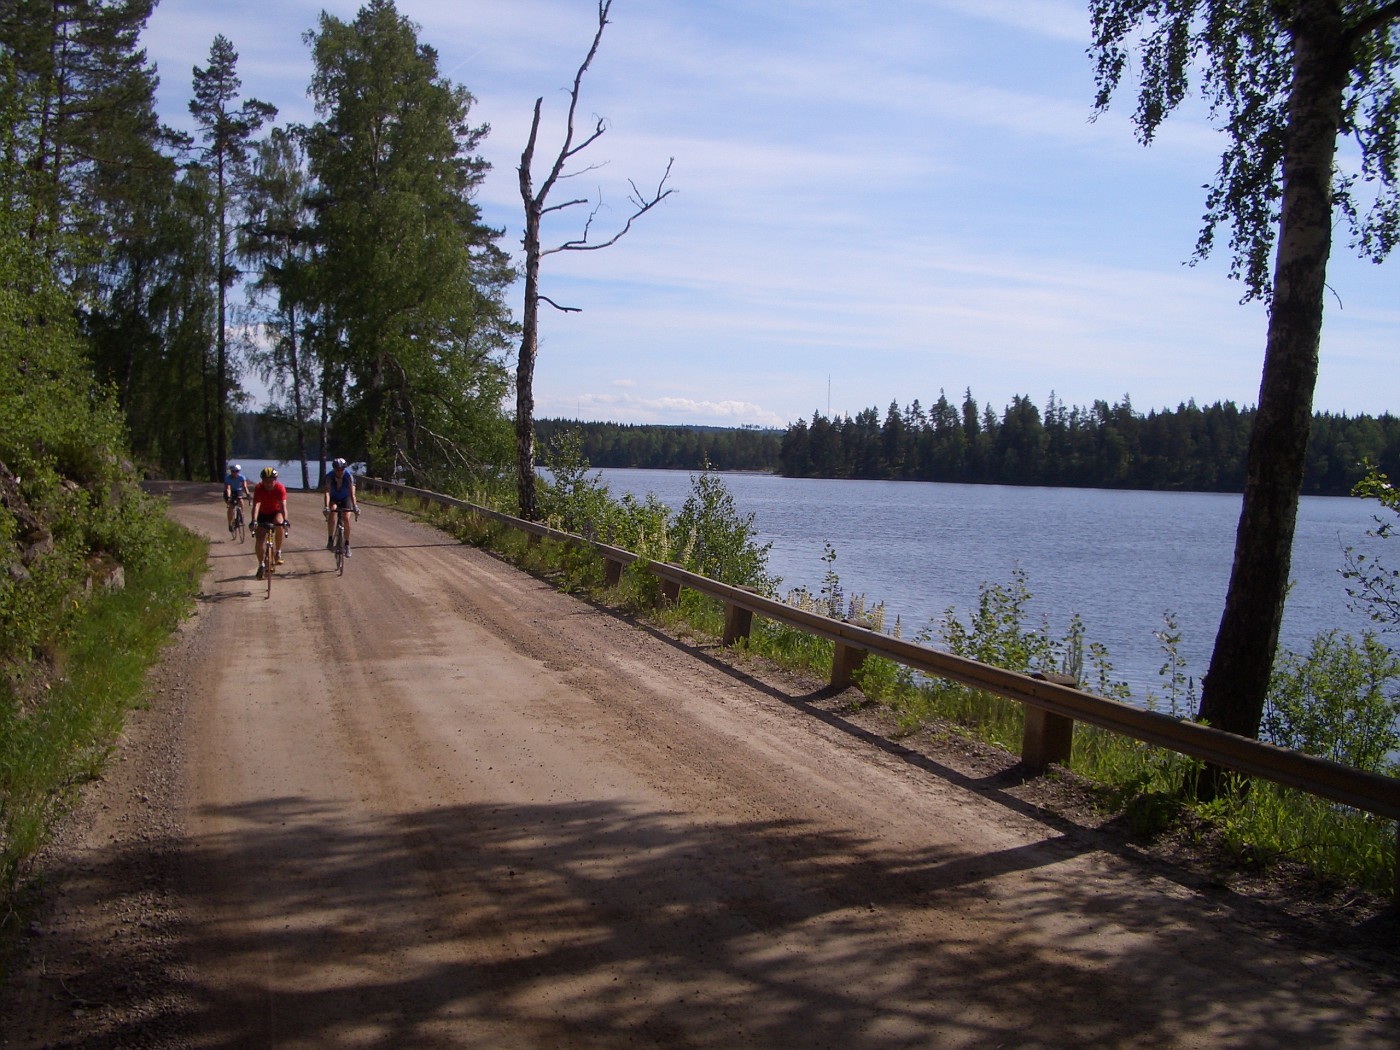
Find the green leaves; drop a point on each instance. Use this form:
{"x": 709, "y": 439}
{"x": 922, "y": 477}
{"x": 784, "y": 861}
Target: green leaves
{"x": 1341, "y": 701}
{"x": 1242, "y": 56}
{"x": 1372, "y": 586}
{"x": 66, "y": 498}
{"x": 409, "y": 283}
{"x": 717, "y": 540}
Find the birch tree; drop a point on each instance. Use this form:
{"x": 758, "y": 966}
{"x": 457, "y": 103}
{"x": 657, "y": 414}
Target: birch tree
{"x": 277, "y": 238}
{"x": 1289, "y": 80}
{"x": 409, "y": 281}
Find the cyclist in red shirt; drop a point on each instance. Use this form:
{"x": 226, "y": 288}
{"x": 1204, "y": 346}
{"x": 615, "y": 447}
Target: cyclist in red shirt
{"x": 269, "y": 509}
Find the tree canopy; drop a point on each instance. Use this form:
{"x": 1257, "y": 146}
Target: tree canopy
{"x": 1288, "y": 80}
{"x": 376, "y": 292}
{"x": 1105, "y": 445}
{"x": 408, "y": 280}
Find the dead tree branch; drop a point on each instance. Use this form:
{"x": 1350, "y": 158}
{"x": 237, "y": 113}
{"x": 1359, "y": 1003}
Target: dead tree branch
{"x": 536, "y": 208}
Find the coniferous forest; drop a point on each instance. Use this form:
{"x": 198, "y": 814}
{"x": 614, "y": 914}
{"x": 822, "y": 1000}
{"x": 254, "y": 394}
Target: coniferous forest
{"x": 666, "y": 447}
{"x": 1188, "y": 448}
{"x": 343, "y": 263}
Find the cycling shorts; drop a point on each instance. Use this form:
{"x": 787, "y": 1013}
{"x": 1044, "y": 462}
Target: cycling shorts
{"x": 264, "y": 520}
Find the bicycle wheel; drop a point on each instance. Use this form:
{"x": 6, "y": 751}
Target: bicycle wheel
{"x": 269, "y": 565}
{"x": 240, "y": 528}
{"x": 340, "y": 549}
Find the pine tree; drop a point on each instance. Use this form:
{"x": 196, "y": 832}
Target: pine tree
{"x": 226, "y": 132}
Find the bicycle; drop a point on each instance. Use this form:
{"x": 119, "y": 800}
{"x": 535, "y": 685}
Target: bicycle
{"x": 338, "y": 544}
{"x": 269, "y": 552}
{"x": 239, "y": 529}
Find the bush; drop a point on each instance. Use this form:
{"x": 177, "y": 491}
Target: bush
{"x": 718, "y": 541}
{"x": 1338, "y": 702}
{"x": 996, "y": 633}
{"x": 68, "y": 505}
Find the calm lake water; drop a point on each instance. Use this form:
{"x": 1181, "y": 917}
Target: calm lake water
{"x": 1121, "y": 560}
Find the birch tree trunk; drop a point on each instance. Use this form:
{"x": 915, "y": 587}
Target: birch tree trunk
{"x": 1236, "y": 685}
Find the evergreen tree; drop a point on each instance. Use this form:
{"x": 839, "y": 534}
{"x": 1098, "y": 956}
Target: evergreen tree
{"x": 226, "y": 132}
{"x": 409, "y": 281}
{"x": 87, "y": 135}
{"x": 102, "y": 201}
{"x": 1105, "y": 446}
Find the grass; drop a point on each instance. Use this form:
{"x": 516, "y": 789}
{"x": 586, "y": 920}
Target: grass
{"x": 54, "y": 741}
{"x": 1138, "y": 782}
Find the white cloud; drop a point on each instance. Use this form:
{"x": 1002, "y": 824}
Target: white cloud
{"x": 902, "y": 203}
{"x": 660, "y": 409}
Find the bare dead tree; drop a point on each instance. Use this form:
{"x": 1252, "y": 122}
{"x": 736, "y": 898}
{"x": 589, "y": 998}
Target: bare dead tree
{"x": 536, "y": 208}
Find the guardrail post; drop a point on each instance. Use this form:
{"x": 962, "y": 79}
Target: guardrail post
{"x": 737, "y": 623}
{"x": 670, "y": 592}
{"x": 845, "y": 662}
{"x": 612, "y": 572}
{"x": 1047, "y": 738}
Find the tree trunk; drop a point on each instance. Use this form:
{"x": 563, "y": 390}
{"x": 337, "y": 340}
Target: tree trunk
{"x": 323, "y": 445}
{"x": 535, "y": 210}
{"x": 525, "y": 389}
{"x": 1236, "y": 684}
{"x": 221, "y": 335}
{"x": 298, "y": 400}
{"x": 529, "y": 337}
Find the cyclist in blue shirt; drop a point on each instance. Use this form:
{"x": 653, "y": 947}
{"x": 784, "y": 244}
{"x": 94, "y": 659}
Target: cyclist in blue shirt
{"x": 339, "y": 490}
{"x": 235, "y": 489}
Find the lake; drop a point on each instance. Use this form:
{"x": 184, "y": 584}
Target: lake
{"x": 1121, "y": 560}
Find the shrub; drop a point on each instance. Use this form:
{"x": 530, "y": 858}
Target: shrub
{"x": 1338, "y": 702}
{"x": 718, "y": 541}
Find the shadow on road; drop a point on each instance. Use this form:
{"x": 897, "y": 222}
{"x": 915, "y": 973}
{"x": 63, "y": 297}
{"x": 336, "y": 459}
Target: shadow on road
{"x": 520, "y": 925}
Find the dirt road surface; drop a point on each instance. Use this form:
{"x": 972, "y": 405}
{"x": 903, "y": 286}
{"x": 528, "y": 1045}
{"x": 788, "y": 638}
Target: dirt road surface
{"x": 434, "y": 803}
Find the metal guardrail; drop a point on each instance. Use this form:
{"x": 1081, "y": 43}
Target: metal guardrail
{"x": 1052, "y": 706}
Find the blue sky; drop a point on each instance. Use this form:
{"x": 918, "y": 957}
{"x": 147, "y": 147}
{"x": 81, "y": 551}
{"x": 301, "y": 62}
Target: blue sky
{"x": 875, "y": 202}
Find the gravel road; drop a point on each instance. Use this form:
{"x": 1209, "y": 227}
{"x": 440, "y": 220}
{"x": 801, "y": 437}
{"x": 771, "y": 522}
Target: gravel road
{"x": 435, "y": 803}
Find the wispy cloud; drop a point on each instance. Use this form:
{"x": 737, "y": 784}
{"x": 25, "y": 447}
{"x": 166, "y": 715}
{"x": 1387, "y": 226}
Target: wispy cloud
{"x": 672, "y": 410}
{"x": 894, "y": 204}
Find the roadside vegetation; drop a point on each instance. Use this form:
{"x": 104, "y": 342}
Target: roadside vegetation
{"x": 93, "y": 576}
{"x": 1340, "y": 700}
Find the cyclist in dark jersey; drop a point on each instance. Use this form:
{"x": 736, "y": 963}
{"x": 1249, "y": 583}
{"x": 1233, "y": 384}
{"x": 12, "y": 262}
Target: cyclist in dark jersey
{"x": 339, "y": 490}
{"x": 235, "y": 489}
